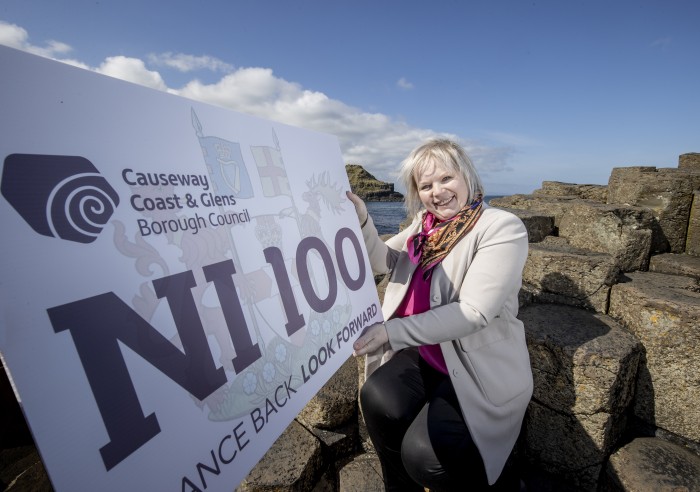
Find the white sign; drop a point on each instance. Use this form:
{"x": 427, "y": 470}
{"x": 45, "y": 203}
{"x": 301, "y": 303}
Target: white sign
{"x": 177, "y": 280}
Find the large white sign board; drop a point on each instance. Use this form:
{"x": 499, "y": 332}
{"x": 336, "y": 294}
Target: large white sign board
{"x": 177, "y": 280}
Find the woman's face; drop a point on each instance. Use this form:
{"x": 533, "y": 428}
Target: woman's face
{"x": 442, "y": 190}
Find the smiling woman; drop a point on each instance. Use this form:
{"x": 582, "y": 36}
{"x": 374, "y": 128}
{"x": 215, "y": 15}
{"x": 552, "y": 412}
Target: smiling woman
{"x": 451, "y": 309}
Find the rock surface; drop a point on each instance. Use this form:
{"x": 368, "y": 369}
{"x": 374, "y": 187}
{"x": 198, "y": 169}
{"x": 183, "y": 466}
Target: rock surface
{"x": 676, "y": 264}
{"x": 291, "y": 464}
{"x": 668, "y": 193}
{"x": 538, "y": 225}
{"x": 625, "y": 232}
{"x": 689, "y": 161}
{"x": 663, "y": 312}
{"x": 558, "y": 273}
{"x": 362, "y": 474}
{"x": 651, "y": 465}
{"x": 335, "y": 403}
{"x": 597, "y": 193}
{"x": 584, "y": 366}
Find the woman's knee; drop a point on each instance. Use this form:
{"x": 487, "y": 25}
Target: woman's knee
{"x": 419, "y": 458}
{"x": 384, "y": 396}
{"x": 370, "y": 397}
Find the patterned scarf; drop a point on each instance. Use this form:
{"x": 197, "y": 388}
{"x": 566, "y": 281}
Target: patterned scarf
{"x": 435, "y": 241}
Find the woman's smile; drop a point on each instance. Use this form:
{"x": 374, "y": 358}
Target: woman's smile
{"x": 442, "y": 204}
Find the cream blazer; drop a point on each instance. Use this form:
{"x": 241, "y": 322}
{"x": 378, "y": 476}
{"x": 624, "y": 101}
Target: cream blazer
{"x": 474, "y": 303}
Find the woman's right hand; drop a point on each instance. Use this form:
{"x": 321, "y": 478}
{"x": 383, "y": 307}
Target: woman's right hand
{"x": 372, "y": 338}
{"x": 360, "y": 207}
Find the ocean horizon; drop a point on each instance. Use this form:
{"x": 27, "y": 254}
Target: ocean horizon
{"x": 387, "y": 216}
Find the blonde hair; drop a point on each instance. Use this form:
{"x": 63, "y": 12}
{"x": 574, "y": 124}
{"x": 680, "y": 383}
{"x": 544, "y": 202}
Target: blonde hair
{"x": 437, "y": 151}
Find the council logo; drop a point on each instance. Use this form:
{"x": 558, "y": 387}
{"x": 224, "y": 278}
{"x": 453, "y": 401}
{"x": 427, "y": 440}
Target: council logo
{"x": 58, "y": 195}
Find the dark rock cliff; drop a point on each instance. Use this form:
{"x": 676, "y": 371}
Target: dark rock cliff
{"x": 369, "y": 188}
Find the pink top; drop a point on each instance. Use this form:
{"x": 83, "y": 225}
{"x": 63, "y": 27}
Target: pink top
{"x": 416, "y": 301}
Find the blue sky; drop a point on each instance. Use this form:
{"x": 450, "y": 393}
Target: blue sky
{"x": 535, "y": 90}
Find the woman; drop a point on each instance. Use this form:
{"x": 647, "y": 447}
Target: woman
{"x": 449, "y": 374}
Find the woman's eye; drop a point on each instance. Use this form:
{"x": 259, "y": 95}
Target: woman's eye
{"x": 425, "y": 187}
{"x": 446, "y": 179}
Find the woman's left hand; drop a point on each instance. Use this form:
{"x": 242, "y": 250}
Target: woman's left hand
{"x": 360, "y": 207}
{"x": 373, "y": 337}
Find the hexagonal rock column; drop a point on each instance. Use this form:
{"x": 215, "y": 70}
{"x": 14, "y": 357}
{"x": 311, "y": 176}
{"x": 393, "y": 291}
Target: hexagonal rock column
{"x": 651, "y": 464}
{"x": 689, "y": 161}
{"x": 554, "y": 206}
{"x": 599, "y": 193}
{"x": 663, "y": 311}
{"x": 558, "y": 273}
{"x": 668, "y": 193}
{"x": 622, "y": 231}
{"x": 584, "y": 365}
{"x": 538, "y": 225}
{"x": 676, "y": 264}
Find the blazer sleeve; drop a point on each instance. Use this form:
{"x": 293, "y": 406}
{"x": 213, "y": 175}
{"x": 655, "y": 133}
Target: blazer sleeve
{"x": 471, "y": 299}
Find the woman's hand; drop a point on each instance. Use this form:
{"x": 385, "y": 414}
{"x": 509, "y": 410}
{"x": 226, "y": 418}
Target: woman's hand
{"x": 360, "y": 207}
{"x": 373, "y": 337}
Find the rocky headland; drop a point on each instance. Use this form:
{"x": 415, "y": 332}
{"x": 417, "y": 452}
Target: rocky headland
{"x": 369, "y": 188}
{"x": 611, "y": 306}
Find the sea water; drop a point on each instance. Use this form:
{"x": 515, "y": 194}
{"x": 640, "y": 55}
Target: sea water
{"x": 388, "y": 215}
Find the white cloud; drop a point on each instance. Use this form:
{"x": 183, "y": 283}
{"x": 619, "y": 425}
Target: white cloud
{"x": 404, "y": 84}
{"x": 189, "y": 63}
{"x": 13, "y": 36}
{"x": 133, "y": 70}
{"x": 53, "y": 49}
{"x": 17, "y": 37}
{"x": 376, "y": 141}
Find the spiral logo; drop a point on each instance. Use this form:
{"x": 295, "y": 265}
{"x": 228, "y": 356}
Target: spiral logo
{"x": 59, "y": 196}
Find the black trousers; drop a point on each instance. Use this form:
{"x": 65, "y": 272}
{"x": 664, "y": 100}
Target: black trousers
{"x": 416, "y": 426}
